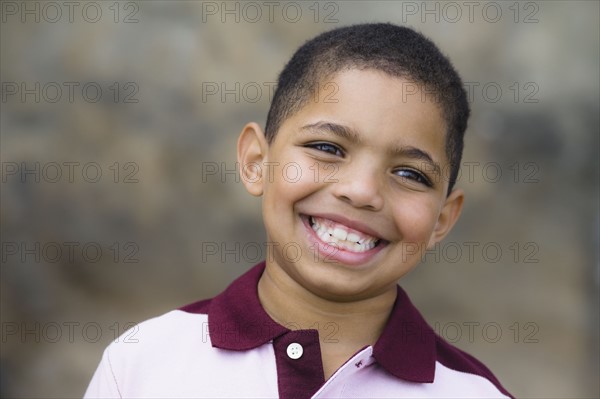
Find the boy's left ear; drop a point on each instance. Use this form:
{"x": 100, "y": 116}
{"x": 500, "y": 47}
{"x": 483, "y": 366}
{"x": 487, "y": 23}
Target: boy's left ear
{"x": 448, "y": 216}
{"x": 252, "y": 150}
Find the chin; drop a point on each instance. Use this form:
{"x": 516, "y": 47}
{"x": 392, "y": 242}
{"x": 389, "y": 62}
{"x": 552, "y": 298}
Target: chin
{"x": 338, "y": 288}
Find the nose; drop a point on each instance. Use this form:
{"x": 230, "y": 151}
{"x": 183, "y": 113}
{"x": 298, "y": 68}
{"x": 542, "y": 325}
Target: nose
{"x": 360, "y": 185}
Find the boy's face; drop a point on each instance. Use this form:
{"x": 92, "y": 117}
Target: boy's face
{"x": 360, "y": 171}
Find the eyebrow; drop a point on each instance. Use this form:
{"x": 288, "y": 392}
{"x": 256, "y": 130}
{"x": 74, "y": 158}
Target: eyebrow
{"x": 342, "y": 131}
{"x": 353, "y": 136}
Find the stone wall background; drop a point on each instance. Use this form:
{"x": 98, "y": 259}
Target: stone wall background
{"x": 532, "y": 309}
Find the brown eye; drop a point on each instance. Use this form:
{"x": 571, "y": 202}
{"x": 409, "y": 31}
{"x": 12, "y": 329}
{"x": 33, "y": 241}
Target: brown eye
{"x": 413, "y": 175}
{"x": 328, "y": 148}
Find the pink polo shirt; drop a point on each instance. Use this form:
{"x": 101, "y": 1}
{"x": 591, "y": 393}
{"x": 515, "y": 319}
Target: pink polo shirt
{"x": 228, "y": 347}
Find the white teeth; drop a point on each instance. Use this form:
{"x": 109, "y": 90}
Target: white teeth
{"x": 340, "y": 234}
{"x": 323, "y": 235}
{"x": 341, "y": 238}
{"x": 353, "y": 237}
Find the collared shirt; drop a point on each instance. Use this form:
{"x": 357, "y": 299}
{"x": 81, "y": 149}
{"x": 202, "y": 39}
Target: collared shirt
{"x": 229, "y": 347}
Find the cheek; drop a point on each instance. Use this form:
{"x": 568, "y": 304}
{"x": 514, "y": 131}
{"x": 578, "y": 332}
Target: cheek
{"x": 293, "y": 171}
{"x": 415, "y": 219}
{"x": 289, "y": 182}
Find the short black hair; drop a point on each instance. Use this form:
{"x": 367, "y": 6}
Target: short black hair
{"x": 396, "y": 50}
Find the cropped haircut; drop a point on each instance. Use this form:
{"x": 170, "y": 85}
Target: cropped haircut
{"x": 398, "y": 51}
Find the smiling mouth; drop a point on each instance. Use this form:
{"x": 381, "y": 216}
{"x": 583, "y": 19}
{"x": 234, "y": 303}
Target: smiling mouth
{"x": 341, "y": 236}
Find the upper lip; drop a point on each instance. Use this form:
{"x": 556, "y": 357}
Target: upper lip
{"x": 353, "y": 224}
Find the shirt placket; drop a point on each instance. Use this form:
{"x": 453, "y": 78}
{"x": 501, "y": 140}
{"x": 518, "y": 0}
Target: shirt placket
{"x": 336, "y": 384}
{"x": 299, "y": 365}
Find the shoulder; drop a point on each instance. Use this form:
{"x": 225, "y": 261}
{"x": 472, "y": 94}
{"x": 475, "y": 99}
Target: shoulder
{"x": 452, "y": 360}
{"x": 147, "y": 358}
{"x": 177, "y": 329}
{"x": 410, "y": 350}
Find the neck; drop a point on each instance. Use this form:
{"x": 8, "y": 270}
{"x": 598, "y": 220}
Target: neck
{"x": 344, "y": 327}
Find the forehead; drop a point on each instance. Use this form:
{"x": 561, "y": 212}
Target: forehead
{"x": 383, "y": 110}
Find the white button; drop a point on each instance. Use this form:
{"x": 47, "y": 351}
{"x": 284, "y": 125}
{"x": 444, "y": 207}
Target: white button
{"x": 295, "y": 350}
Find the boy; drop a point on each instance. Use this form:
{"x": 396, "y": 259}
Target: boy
{"x": 369, "y": 116}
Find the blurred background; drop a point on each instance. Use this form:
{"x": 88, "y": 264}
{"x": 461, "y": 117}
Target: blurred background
{"x": 120, "y": 201}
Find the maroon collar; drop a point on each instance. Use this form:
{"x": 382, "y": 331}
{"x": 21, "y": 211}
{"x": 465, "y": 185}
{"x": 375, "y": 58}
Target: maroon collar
{"x": 237, "y": 321}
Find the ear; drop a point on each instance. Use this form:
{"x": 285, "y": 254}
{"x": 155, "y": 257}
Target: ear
{"x": 448, "y": 216}
{"x": 252, "y": 149}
